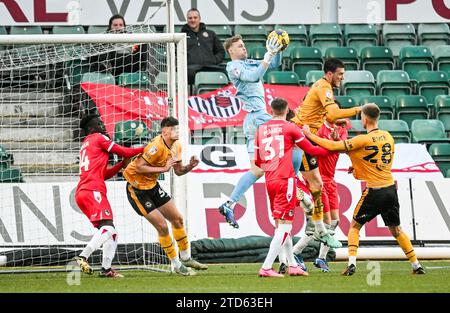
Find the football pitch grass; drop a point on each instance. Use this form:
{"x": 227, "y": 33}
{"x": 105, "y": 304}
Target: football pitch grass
{"x": 394, "y": 276}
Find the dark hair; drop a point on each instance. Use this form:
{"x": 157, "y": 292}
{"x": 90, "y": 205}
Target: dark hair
{"x": 332, "y": 64}
{"x": 290, "y": 115}
{"x": 193, "y": 10}
{"x": 86, "y": 122}
{"x": 371, "y": 110}
{"x": 278, "y": 105}
{"x": 115, "y": 16}
{"x": 169, "y": 122}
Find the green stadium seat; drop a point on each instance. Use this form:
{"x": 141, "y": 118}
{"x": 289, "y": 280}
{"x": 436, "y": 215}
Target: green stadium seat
{"x": 348, "y": 55}
{"x": 312, "y": 77}
{"x": 137, "y": 80}
{"x": 222, "y": 31}
{"x": 257, "y": 53}
{"x": 396, "y": 36}
{"x": 286, "y": 62}
{"x": 356, "y": 129}
{"x": 442, "y": 58}
{"x": 393, "y": 84}
{"x": 209, "y": 81}
{"x": 95, "y": 29}
{"x": 234, "y": 135}
{"x": 99, "y": 78}
{"x": 144, "y": 29}
{"x": 359, "y": 36}
{"x": 68, "y": 29}
{"x": 432, "y": 84}
{"x": 358, "y": 84}
{"x": 428, "y": 131}
{"x": 387, "y": 108}
{"x": 252, "y": 35}
{"x": 415, "y": 59}
{"x": 375, "y": 59}
{"x": 432, "y": 35}
{"x": 305, "y": 59}
{"x": 207, "y": 136}
{"x": 297, "y": 33}
{"x": 11, "y": 175}
{"x": 3, "y": 32}
{"x": 397, "y": 128}
{"x": 410, "y": 108}
{"x": 346, "y": 102}
{"x": 5, "y": 158}
{"x": 25, "y": 30}
{"x": 131, "y": 132}
{"x": 442, "y": 109}
{"x": 161, "y": 81}
{"x": 177, "y": 28}
{"x": 325, "y": 35}
{"x": 440, "y": 152}
{"x": 282, "y": 78}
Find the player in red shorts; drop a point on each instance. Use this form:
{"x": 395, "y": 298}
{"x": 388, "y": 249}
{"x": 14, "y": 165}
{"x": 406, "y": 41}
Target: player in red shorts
{"x": 327, "y": 166}
{"x": 91, "y": 191}
{"x": 274, "y": 143}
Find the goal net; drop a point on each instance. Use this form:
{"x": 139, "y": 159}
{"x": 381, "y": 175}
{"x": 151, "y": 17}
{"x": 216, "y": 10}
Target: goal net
{"x": 47, "y": 84}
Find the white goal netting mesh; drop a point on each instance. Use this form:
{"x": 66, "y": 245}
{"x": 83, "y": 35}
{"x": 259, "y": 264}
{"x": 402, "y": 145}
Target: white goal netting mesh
{"x": 44, "y": 92}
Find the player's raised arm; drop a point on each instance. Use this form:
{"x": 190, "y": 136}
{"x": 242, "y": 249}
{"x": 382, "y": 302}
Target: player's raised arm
{"x": 334, "y": 112}
{"x": 181, "y": 169}
{"x": 341, "y": 146}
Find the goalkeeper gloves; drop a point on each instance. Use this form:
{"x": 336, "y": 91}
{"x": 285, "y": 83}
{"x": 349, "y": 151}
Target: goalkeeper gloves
{"x": 273, "y": 47}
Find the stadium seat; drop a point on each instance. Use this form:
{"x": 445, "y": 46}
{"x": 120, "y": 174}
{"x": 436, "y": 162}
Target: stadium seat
{"x": 428, "y": 131}
{"x": 397, "y": 128}
{"x": 131, "y": 132}
{"x": 348, "y": 55}
{"x": 393, "y": 84}
{"x": 442, "y": 109}
{"x": 325, "y": 35}
{"x": 356, "y": 129}
{"x": 99, "y": 78}
{"x": 67, "y": 29}
{"x": 387, "y": 108}
{"x": 257, "y": 53}
{"x": 432, "y": 35}
{"x": 253, "y": 35}
{"x": 305, "y": 59}
{"x": 432, "y": 84}
{"x": 375, "y": 59}
{"x": 359, "y": 36}
{"x": 440, "y": 152}
{"x": 5, "y": 158}
{"x": 211, "y": 136}
{"x": 95, "y": 29}
{"x": 297, "y": 33}
{"x": 234, "y": 135}
{"x": 177, "y": 28}
{"x": 144, "y": 28}
{"x": 286, "y": 62}
{"x": 358, "y": 84}
{"x": 282, "y": 78}
{"x": 222, "y": 31}
{"x": 415, "y": 59}
{"x": 3, "y": 32}
{"x": 161, "y": 81}
{"x": 209, "y": 81}
{"x": 410, "y": 108}
{"x": 346, "y": 102}
{"x": 396, "y": 36}
{"x": 138, "y": 80}
{"x": 442, "y": 58}
{"x": 312, "y": 77}
{"x": 25, "y": 30}
{"x": 11, "y": 175}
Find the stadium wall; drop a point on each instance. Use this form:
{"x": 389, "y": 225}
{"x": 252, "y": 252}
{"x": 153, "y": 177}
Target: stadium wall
{"x": 270, "y": 12}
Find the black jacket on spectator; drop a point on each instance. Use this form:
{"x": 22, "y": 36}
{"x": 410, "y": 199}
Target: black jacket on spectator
{"x": 204, "y": 47}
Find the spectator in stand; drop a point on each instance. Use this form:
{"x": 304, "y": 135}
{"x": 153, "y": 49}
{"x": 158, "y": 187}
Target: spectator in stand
{"x": 204, "y": 49}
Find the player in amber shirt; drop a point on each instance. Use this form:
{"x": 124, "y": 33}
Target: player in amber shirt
{"x": 91, "y": 192}
{"x": 372, "y": 157}
{"x": 150, "y": 201}
{"x": 318, "y": 106}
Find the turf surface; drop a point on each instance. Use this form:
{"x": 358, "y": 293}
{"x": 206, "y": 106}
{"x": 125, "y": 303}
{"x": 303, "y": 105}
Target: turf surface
{"x": 235, "y": 278}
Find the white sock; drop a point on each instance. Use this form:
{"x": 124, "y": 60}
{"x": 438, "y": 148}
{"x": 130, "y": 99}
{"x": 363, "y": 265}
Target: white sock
{"x": 352, "y": 260}
{"x": 320, "y": 227}
{"x": 281, "y": 234}
{"x": 288, "y": 251}
{"x": 334, "y": 224}
{"x": 185, "y": 254}
{"x": 109, "y": 251}
{"x": 301, "y": 244}
{"x": 282, "y": 256}
{"x": 415, "y": 265}
{"x": 323, "y": 251}
{"x": 100, "y": 237}
{"x": 176, "y": 262}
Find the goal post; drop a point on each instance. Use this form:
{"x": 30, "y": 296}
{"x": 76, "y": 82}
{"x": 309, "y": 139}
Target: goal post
{"x": 41, "y": 139}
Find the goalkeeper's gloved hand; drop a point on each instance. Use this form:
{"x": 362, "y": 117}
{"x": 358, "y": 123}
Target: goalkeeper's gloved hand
{"x": 273, "y": 47}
